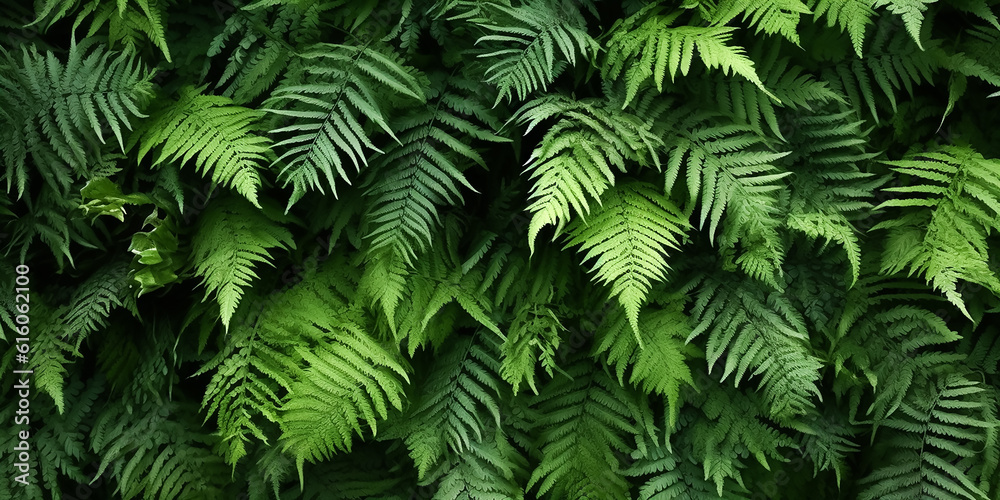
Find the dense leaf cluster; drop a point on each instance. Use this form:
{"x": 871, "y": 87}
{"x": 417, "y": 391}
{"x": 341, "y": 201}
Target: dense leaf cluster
{"x": 504, "y": 249}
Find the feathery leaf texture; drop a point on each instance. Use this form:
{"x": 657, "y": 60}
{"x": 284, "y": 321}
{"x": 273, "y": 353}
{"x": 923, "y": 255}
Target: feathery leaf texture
{"x": 216, "y": 134}
{"x": 628, "y": 238}
{"x": 55, "y": 112}
{"x": 232, "y": 237}
{"x": 574, "y": 160}
{"x": 953, "y": 208}
{"x": 327, "y": 108}
{"x": 532, "y": 44}
{"x": 646, "y": 46}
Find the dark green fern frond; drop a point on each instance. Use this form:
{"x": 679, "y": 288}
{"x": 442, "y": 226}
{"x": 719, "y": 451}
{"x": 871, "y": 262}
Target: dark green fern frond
{"x": 829, "y": 189}
{"x": 747, "y": 103}
{"x": 932, "y": 442}
{"x": 458, "y": 405}
{"x": 942, "y": 235}
{"x": 129, "y": 22}
{"x": 232, "y": 237}
{"x": 628, "y": 238}
{"x": 327, "y": 108}
{"x": 55, "y": 112}
{"x": 532, "y": 44}
{"x": 891, "y": 63}
{"x": 491, "y": 468}
{"x": 760, "y": 333}
{"x": 158, "y": 452}
{"x": 214, "y": 133}
{"x": 423, "y": 170}
{"x": 853, "y": 16}
{"x": 584, "y": 423}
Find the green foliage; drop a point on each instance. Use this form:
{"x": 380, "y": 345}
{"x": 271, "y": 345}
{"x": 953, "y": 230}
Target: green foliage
{"x": 213, "y": 132}
{"x": 501, "y": 249}
{"x": 232, "y": 237}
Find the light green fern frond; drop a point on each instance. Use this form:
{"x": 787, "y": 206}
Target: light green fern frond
{"x": 656, "y": 356}
{"x": 645, "y": 46}
{"x": 781, "y": 17}
{"x": 730, "y": 170}
{"x": 953, "y": 208}
{"x": 628, "y": 238}
{"x": 575, "y": 158}
{"x": 232, "y": 237}
{"x": 213, "y": 132}
{"x": 911, "y": 11}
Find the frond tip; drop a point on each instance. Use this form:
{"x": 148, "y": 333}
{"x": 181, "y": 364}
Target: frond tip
{"x": 628, "y": 237}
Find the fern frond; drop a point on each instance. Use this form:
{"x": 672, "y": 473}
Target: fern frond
{"x": 424, "y": 169}
{"x": 746, "y": 103}
{"x": 645, "y": 46}
{"x": 458, "y": 404}
{"x": 656, "y": 357}
{"x": 730, "y": 170}
{"x": 585, "y": 420}
{"x": 628, "y": 238}
{"x": 760, "y": 333}
{"x": 492, "y": 468}
{"x": 771, "y": 17}
{"x": 830, "y": 188}
{"x": 853, "y": 16}
{"x": 217, "y": 135}
{"x": 231, "y": 238}
{"x": 532, "y": 44}
{"x": 954, "y": 206}
{"x": 933, "y": 437}
{"x": 911, "y": 11}
{"x": 128, "y": 24}
{"x": 336, "y": 94}
{"x": 575, "y": 158}
{"x": 55, "y": 111}
{"x": 157, "y": 453}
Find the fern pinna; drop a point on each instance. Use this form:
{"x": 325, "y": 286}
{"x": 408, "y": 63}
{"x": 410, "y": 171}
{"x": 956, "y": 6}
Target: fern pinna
{"x": 500, "y": 249}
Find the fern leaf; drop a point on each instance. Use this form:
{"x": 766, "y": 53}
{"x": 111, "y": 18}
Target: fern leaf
{"x": 760, "y": 333}
{"x": 583, "y": 421}
{"x": 530, "y": 36}
{"x": 628, "y": 238}
{"x": 853, "y": 16}
{"x": 231, "y": 238}
{"x": 911, "y": 11}
{"x": 327, "y": 112}
{"x": 645, "y": 46}
{"x": 575, "y": 159}
{"x": 215, "y": 134}
{"x": 932, "y": 433}
{"x": 657, "y": 357}
{"x": 954, "y": 206}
